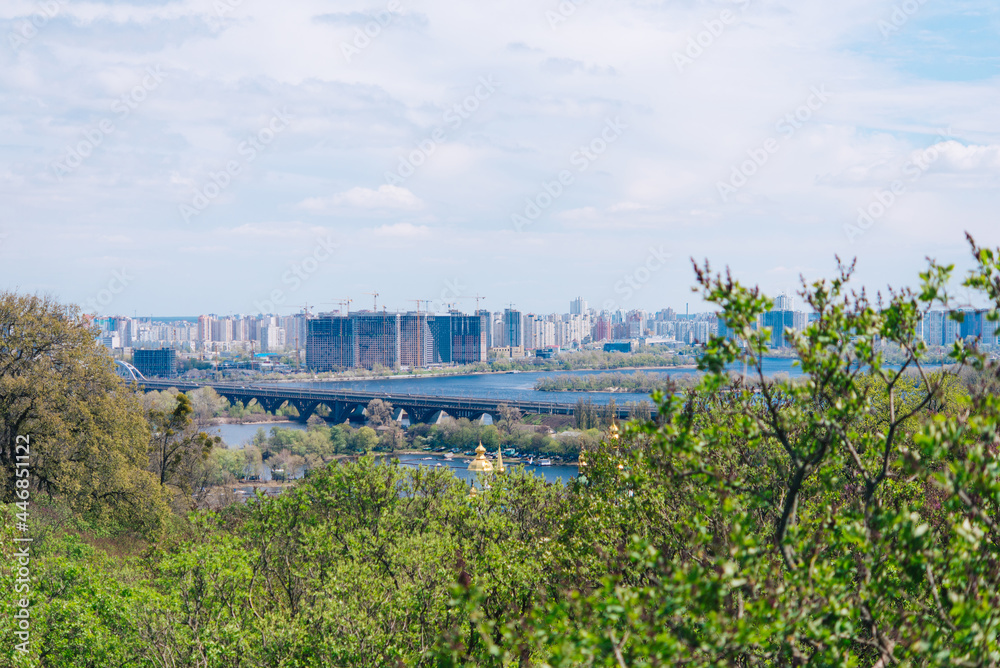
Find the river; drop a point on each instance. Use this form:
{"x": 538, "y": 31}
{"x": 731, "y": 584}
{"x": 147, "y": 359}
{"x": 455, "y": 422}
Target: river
{"x": 516, "y": 386}
{"x": 239, "y": 435}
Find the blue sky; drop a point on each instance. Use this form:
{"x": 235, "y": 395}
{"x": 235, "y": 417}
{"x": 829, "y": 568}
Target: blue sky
{"x": 225, "y": 155}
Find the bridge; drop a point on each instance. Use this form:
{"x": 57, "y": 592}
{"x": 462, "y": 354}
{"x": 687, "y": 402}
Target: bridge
{"x": 341, "y": 403}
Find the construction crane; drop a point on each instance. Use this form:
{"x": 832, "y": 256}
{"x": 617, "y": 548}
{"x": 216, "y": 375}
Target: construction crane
{"x": 478, "y": 297}
{"x": 342, "y": 303}
{"x": 419, "y": 302}
{"x": 374, "y": 300}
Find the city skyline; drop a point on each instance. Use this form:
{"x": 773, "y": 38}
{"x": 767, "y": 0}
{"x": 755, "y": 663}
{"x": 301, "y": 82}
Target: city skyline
{"x": 199, "y": 156}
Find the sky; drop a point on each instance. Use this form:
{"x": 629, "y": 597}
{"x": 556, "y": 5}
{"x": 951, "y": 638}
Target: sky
{"x": 245, "y": 156}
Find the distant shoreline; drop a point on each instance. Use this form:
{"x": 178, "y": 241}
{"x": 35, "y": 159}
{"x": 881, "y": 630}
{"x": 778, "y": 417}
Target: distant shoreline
{"x": 355, "y": 379}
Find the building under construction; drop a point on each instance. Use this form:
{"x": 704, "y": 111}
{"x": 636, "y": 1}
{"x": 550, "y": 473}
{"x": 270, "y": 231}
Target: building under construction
{"x": 331, "y": 344}
{"x": 391, "y": 340}
{"x": 469, "y": 337}
{"x": 377, "y": 338}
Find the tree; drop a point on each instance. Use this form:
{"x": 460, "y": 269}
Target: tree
{"x": 508, "y": 418}
{"x": 205, "y": 404}
{"x": 87, "y": 435}
{"x": 391, "y": 437}
{"x": 379, "y": 413}
{"x": 175, "y": 440}
{"x": 364, "y": 440}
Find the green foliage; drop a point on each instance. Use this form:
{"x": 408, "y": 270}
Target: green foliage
{"x": 637, "y": 381}
{"x": 849, "y": 518}
{"x": 177, "y": 445}
{"x": 88, "y": 436}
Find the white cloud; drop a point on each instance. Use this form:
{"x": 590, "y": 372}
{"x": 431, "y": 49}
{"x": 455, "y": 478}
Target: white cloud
{"x": 402, "y": 231}
{"x": 385, "y": 197}
{"x": 352, "y": 123}
{"x": 957, "y": 157}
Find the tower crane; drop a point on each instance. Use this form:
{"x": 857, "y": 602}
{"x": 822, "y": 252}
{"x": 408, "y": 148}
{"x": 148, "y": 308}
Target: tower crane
{"x": 342, "y": 303}
{"x": 374, "y": 300}
{"x": 478, "y": 297}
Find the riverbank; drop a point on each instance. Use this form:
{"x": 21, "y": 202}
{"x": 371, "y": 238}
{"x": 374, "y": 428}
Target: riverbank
{"x": 410, "y": 376}
{"x": 491, "y": 455}
{"x": 615, "y": 382}
{"x": 255, "y": 419}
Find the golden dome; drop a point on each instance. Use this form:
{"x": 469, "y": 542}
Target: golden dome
{"x": 480, "y": 463}
{"x": 613, "y": 431}
{"x": 499, "y": 466}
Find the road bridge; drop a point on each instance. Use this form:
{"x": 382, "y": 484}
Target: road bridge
{"x": 341, "y": 403}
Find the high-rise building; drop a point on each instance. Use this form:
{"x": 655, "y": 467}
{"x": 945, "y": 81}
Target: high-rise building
{"x": 330, "y": 344}
{"x": 513, "y": 329}
{"x": 972, "y": 323}
{"x": 378, "y": 339}
{"x": 779, "y": 321}
{"x": 222, "y": 330}
{"x": 414, "y": 340}
{"x": 440, "y": 326}
{"x": 272, "y": 338}
{"x": 784, "y": 302}
{"x": 469, "y": 338}
{"x": 578, "y": 306}
{"x": 952, "y": 330}
{"x": 933, "y": 329}
{"x": 162, "y": 362}
{"x": 990, "y": 328}
{"x": 539, "y": 332}
{"x": 205, "y": 327}
{"x": 296, "y": 330}
{"x": 601, "y": 330}
{"x": 488, "y": 322}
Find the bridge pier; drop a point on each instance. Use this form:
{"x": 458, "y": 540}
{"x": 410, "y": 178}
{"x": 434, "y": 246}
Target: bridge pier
{"x": 305, "y": 408}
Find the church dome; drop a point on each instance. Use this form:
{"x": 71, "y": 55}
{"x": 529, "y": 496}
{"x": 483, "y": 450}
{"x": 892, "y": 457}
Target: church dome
{"x": 480, "y": 463}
